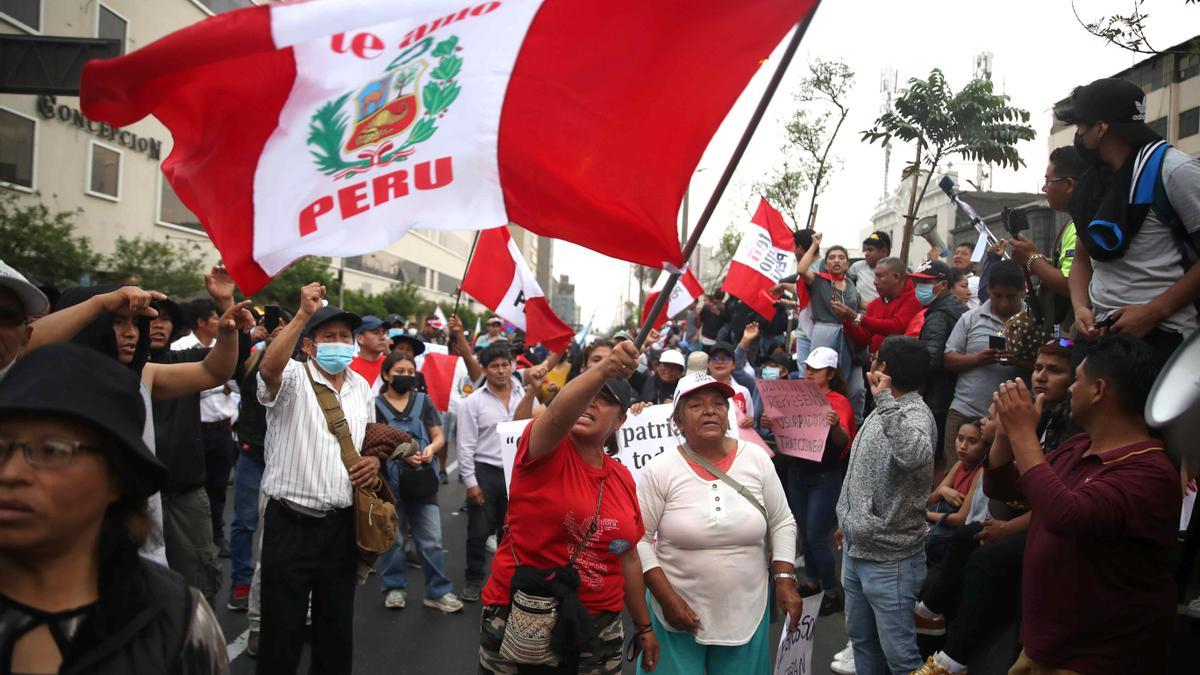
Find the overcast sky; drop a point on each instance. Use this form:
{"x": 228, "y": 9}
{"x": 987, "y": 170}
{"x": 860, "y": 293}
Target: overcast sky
{"x": 1039, "y": 53}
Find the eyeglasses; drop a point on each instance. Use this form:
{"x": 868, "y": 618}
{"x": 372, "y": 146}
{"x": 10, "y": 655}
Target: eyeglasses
{"x": 48, "y": 454}
{"x": 1048, "y": 181}
{"x": 720, "y": 358}
{"x": 11, "y": 317}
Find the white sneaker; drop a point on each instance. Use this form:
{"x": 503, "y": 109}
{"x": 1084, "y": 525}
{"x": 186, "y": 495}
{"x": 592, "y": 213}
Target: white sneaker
{"x": 843, "y": 661}
{"x": 395, "y": 599}
{"x": 448, "y": 603}
{"x": 1192, "y": 609}
{"x": 491, "y": 544}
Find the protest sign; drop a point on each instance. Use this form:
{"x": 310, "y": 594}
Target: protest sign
{"x": 642, "y": 438}
{"x": 797, "y": 410}
{"x": 794, "y": 656}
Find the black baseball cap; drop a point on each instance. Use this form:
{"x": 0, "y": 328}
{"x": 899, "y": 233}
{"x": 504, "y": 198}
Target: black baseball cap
{"x": 932, "y": 270}
{"x": 1119, "y": 102}
{"x": 331, "y": 313}
{"x": 721, "y": 347}
{"x": 878, "y": 239}
{"x": 46, "y": 381}
{"x": 619, "y": 392}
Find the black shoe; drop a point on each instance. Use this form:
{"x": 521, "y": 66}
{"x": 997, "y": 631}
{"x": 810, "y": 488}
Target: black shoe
{"x": 444, "y": 477}
{"x": 832, "y": 604}
{"x": 471, "y": 591}
{"x": 252, "y": 644}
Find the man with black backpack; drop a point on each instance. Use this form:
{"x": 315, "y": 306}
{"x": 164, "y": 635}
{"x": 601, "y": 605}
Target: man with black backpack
{"x": 1137, "y": 214}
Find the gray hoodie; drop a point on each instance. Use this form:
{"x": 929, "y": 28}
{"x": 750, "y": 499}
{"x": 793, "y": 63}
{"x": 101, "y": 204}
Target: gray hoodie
{"x": 882, "y": 507}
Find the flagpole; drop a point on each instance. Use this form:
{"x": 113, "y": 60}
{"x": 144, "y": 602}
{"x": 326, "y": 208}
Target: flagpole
{"x": 786, "y": 59}
{"x": 458, "y": 295}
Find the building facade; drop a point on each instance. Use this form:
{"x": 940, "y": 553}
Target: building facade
{"x": 50, "y": 152}
{"x": 1171, "y": 81}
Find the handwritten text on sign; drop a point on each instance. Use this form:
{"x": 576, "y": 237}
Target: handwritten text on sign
{"x": 797, "y": 410}
{"x": 794, "y": 656}
{"x": 641, "y": 439}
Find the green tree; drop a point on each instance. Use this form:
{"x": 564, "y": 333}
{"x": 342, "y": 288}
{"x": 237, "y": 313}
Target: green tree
{"x": 806, "y": 163}
{"x": 284, "y": 289}
{"x": 174, "y": 269}
{"x": 974, "y": 123}
{"x": 42, "y": 245}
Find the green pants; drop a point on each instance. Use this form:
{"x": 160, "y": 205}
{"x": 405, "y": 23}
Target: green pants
{"x": 680, "y": 654}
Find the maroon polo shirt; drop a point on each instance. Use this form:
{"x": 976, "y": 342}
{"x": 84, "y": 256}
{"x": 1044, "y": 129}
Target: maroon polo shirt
{"x": 1096, "y": 593}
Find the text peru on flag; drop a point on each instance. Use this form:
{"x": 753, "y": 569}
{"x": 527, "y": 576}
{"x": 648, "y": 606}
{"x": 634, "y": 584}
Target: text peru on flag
{"x": 332, "y": 127}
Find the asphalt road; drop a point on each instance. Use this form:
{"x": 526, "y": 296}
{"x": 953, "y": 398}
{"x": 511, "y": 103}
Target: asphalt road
{"x": 422, "y": 641}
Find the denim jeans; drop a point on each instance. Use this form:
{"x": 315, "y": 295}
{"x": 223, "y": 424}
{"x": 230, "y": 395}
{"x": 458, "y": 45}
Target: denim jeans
{"x": 813, "y": 498}
{"x": 880, "y": 598}
{"x": 426, "y": 520}
{"x": 247, "y": 480}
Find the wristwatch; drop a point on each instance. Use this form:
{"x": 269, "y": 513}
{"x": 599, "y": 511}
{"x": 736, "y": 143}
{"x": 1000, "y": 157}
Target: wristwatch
{"x": 783, "y": 575}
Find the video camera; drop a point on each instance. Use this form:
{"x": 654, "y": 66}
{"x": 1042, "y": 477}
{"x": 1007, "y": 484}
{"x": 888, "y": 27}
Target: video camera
{"x": 1016, "y": 221}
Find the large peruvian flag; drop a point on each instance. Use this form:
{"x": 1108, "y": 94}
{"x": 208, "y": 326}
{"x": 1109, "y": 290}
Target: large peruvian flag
{"x": 499, "y": 277}
{"x": 685, "y": 294}
{"x": 332, "y": 127}
{"x": 763, "y": 258}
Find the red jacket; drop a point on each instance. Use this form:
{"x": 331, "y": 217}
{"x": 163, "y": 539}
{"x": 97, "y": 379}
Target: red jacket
{"x": 884, "y": 319}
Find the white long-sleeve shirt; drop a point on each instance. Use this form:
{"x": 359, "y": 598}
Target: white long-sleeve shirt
{"x": 711, "y": 542}
{"x": 478, "y": 442}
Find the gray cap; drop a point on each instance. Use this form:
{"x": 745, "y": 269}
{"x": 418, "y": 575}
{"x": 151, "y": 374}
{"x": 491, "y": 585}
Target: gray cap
{"x": 35, "y": 301}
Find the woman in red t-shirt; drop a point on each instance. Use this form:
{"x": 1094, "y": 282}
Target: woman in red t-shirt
{"x": 562, "y": 481}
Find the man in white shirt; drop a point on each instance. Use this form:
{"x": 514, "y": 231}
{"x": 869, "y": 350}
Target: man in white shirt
{"x": 876, "y": 247}
{"x": 308, "y": 525}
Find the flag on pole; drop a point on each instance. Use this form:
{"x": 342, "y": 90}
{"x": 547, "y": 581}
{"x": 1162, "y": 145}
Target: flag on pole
{"x": 477, "y": 327}
{"x": 762, "y": 259}
{"x": 332, "y": 127}
{"x": 439, "y": 321}
{"x": 685, "y": 294}
{"x": 582, "y": 336}
{"x": 499, "y": 277}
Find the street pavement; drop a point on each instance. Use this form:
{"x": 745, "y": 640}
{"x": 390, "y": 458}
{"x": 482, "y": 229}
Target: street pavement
{"x": 421, "y": 641}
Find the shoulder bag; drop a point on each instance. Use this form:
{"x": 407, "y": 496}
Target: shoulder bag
{"x": 375, "y": 521}
{"x": 776, "y": 613}
{"x": 530, "y": 628}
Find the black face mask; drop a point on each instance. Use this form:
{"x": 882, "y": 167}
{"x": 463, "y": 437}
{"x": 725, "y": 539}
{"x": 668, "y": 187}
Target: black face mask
{"x": 402, "y": 384}
{"x": 1089, "y": 155}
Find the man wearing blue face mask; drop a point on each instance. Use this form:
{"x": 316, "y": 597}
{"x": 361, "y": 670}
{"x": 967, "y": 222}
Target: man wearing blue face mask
{"x": 942, "y": 309}
{"x": 308, "y": 523}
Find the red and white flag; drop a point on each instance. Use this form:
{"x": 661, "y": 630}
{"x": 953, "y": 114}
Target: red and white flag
{"x": 685, "y": 294}
{"x": 332, "y": 127}
{"x": 499, "y": 277}
{"x": 439, "y": 370}
{"x": 763, "y": 257}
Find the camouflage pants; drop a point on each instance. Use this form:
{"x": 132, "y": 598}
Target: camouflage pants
{"x": 600, "y": 656}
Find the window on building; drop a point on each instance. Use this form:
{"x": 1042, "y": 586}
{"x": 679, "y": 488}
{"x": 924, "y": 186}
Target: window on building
{"x": 111, "y": 26}
{"x": 446, "y": 283}
{"x": 1159, "y": 126}
{"x": 219, "y": 6}
{"x": 1189, "y": 123}
{"x": 410, "y": 271}
{"x": 18, "y": 136}
{"x": 171, "y": 210}
{"x": 25, "y": 13}
{"x": 1148, "y": 76}
{"x": 104, "y": 171}
{"x": 1187, "y": 66}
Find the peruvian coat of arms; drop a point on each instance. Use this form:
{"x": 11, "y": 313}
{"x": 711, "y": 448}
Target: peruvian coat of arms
{"x": 382, "y": 121}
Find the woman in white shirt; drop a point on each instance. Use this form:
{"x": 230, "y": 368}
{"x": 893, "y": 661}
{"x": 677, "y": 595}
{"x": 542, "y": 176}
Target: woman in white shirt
{"x": 705, "y": 551}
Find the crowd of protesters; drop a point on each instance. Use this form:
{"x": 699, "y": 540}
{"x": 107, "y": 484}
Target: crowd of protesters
{"x": 987, "y": 464}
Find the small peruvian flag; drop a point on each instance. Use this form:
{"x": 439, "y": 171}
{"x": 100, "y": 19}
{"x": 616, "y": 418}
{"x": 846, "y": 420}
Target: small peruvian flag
{"x": 499, "y": 277}
{"x": 763, "y": 258}
{"x": 332, "y": 127}
{"x": 685, "y": 294}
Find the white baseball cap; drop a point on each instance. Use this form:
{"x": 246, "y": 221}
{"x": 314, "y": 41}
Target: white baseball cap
{"x": 696, "y": 381}
{"x": 35, "y": 301}
{"x": 673, "y": 357}
{"x": 822, "y": 357}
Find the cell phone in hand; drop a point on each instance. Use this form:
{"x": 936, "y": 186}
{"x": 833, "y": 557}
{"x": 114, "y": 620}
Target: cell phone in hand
{"x": 271, "y": 320}
{"x": 996, "y": 342}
